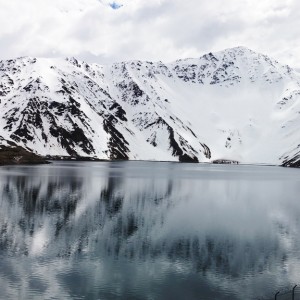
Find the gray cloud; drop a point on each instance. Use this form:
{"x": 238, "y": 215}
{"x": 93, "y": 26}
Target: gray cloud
{"x": 149, "y": 30}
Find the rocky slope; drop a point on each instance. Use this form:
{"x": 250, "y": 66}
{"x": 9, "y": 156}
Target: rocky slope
{"x": 232, "y": 105}
{"x": 12, "y": 154}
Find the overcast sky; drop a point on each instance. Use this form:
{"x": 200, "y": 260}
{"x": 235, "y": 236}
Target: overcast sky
{"x": 106, "y": 31}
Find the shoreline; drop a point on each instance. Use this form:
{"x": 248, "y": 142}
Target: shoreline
{"x": 19, "y": 156}
{"x": 47, "y": 161}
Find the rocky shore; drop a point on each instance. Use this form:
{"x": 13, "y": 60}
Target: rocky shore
{"x": 18, "y": 155}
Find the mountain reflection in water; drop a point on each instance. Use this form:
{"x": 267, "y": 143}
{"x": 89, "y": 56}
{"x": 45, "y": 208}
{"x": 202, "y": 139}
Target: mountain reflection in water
{"x": 138, "y": 230}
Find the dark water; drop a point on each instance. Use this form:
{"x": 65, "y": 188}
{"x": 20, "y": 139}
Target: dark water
{"x": 139, "y": 230}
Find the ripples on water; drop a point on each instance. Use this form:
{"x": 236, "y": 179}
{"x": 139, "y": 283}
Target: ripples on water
{"x": 139, "y": 230}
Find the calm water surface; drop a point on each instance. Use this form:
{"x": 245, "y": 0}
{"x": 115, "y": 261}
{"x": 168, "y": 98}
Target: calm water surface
{"x": 142, "y": 230}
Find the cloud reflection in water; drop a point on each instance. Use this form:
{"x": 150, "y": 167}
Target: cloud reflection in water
{"x": 157, "y": 229}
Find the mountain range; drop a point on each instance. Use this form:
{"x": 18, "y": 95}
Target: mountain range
{"x": 233, "y": 105}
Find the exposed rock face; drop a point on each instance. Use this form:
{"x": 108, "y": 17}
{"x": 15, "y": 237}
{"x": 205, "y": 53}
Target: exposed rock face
{"x": 235, "y": 105}
{"x": 12, "y": 154}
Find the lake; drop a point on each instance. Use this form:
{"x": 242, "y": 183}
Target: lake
{"x": 148, "y": 230}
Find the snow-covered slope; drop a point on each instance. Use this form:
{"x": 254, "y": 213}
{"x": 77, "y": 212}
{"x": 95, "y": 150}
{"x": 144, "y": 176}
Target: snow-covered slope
{"x": 235, "y": 104}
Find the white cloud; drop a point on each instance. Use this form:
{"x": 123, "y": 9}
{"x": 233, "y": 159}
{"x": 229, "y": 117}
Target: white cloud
{"x": 148, "y": 30}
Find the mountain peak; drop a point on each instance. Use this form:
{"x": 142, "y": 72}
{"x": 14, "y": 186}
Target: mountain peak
{"x": 239, "y": 51}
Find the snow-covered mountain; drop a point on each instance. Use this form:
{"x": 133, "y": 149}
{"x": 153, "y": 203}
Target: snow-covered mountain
{"x": 236, "y": 104}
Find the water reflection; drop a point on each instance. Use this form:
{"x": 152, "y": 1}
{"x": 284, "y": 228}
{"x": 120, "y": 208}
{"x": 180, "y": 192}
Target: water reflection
{"x": 136, "y": 230}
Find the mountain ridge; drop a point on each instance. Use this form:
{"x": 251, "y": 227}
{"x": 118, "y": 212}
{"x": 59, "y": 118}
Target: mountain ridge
{"x": 234, "y": 104}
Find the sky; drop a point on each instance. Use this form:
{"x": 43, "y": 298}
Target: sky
{"x": 105, "y": 31}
